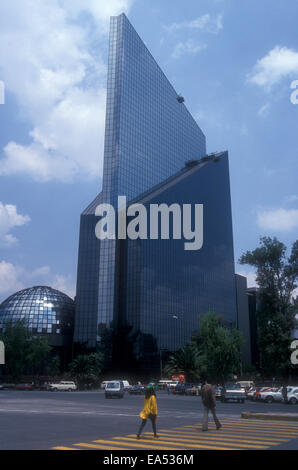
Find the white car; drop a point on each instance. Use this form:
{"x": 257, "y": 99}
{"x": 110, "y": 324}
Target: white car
{"x": 233, "y": 392}
{"x": 114, "y": 388}
{"x": 126, "y": 385}
{"x": 63, "y": 385}
{"x": 274, "y": 394}
{"x": 293, "y": 396}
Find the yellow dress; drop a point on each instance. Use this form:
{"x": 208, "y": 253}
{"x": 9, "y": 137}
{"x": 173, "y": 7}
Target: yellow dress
{"x": 150, "y": 407}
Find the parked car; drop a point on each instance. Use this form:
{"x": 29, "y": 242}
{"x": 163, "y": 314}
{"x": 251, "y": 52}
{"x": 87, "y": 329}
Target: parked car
{"x": 44, "y": 386}
{"x": 233, "y": 392}
{"x": 163, "y": 384}
{"x": 259, "y": 390}
{"x": 245, "y": 384}
{"x": 63, "y": 385}
{"x": 270, "y": 395}
{"x": 126, "y": 385}
{"x": 180, "y": 388}
{"x": 218, "y": 392}
{"x": 250, "y": 393}
{"x": 194, "y": 390}
{"x": 1, "y": 387}
{"x": 293, "y": 396}
{"x": 137, "y": 390}
{"x": 27, "y": 386}
{"x": 114, "y": 388}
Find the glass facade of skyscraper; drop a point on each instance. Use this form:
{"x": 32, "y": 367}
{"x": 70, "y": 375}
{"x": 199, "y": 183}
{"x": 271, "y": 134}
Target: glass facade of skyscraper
{"x": 154, "y": 290}
{"x": 87, "y": 278}
{"x": 149, "y": 136}
{"x": 164, "y": 289}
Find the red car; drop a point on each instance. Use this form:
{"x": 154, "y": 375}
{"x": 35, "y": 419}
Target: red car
{"x": 24, "y": 387}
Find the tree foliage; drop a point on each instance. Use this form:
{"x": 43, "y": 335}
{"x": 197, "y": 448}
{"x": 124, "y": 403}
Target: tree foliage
{"x": 213, "y": 352}
{"x": 86, "y": 368}
{"x": 186, "y": 361}
{"x": 219, "y": 347}
{"x": 24, "y": 353}
{"x": 277, "y": 280}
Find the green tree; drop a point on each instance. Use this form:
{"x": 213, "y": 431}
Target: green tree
{"x": 87, "y": 368}
{"x": 15, "y": 337}
{"x": 54, "y": 365}
{"x": 186, "y": 361}
{"x": 25, "y": 354}
{"x": 37, "y": 354}
{"x": 277, "y": 280}
{"x": 218, "y": 347}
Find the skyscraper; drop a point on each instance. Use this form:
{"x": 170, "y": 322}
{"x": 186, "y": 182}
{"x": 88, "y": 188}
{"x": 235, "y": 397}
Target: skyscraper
{"x": 149, "y": 137}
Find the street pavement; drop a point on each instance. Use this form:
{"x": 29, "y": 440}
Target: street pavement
{"x": 85, "y": 420}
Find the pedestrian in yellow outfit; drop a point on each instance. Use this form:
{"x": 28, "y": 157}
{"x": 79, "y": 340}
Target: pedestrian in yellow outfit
{"x": 149, "y": 411}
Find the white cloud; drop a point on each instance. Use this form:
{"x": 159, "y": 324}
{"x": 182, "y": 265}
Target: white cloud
{"x": 9, "y": 219}
{"x": 251, "y": 278}
{"x": 189, "y": 47}
{"x": 203, "y": 23}
{"x": 281, "y": 220}
{"x": 58, "y": 77}
{"x": 65, "y": 284}
{"x": 14, "y": 278}
{"x": 10, "y": 278}
{"x": 279, "y": 63}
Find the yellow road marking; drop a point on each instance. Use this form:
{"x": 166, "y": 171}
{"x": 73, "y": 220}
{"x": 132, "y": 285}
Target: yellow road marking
{"x": 98, "y": 446}
{"x": 215, "y": 438}
{"x": 182, "y": 440}
{"x": 253, "y": 430}
{"x": 115, "y": 440}
{"x": 196, "y": 446}
{"x": 217, "y": 434}
{"x": 263, "y": 423}
{"x": 234, "y": 435}
{"x": 63, "y": 448}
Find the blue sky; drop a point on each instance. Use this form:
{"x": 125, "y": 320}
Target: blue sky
{"x": 234, "y": 63}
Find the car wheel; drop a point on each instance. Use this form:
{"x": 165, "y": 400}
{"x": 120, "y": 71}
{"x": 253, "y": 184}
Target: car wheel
{"x": 293, "y": 401}
{"x": 269, "y": 399}
{"x": 55, "y": 390}
{"x": 70, "y": 389}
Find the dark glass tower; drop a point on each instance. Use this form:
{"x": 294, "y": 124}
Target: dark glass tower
{"x": 87, "y": 278}
{"x": 154, "y": 288}
{"x": 149, "y": 135}
{"x": 163, "y": 287}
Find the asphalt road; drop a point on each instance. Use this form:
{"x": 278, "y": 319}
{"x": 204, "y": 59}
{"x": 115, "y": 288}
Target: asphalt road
{"x": 43, "y": 420}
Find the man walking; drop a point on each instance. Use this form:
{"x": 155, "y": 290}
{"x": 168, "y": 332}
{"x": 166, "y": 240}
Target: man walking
{"x": 284, "y": 392}
{"x": 209, "y": 402}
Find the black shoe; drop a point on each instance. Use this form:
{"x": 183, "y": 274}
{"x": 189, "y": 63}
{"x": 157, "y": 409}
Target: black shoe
{"x": 156, "y": 436}
{"x": 138, "y": 436}
{"x": 218, "y": 427}
{"x": 204, "y": 430}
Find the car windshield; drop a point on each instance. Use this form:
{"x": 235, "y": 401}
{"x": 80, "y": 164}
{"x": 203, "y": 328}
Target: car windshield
{"x": 233, "y": 386}
{"x": 113, "y": 385}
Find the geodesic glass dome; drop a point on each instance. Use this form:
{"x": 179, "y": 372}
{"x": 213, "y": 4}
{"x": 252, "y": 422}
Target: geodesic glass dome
{"x": 44, "y": 310}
